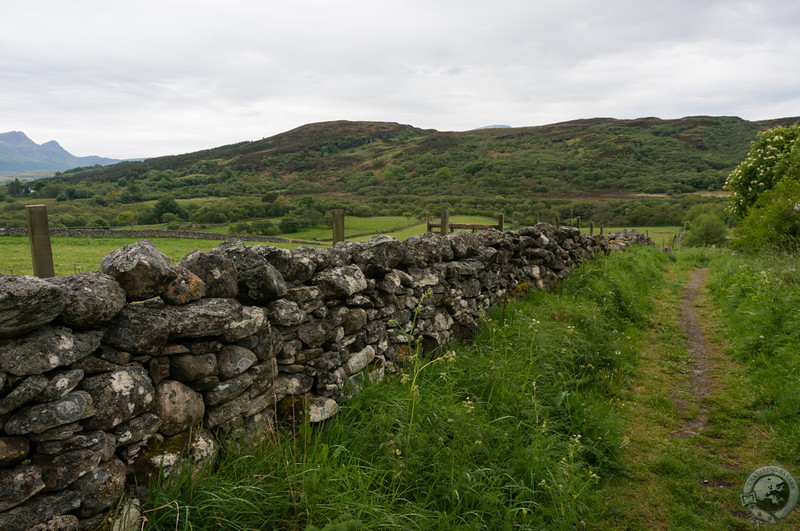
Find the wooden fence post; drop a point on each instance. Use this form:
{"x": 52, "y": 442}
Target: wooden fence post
{"x": 445, "y": 222}
{"x": 558, "y": 221}
{"x": 39, "y": 236}
{"x": 338, "y": 225}
{"x": 578, "y": 222}
{"x": 501, "y": 220}
{"x": 591, "y": 228}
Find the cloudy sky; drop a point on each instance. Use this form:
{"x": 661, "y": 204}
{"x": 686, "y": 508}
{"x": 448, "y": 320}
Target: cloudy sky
{"x": 158, "y": 77}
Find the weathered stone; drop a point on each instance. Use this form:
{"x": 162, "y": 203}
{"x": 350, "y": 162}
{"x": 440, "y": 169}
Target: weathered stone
{"x": 178, "y": 406}
{"x": 229, "y": 389}
{"x": 62, "y": 522}
{"x": 424, "y": 249}
{"x": 295, "y": 384}
{"x": 259, "y": 282}
{"x": 60, "y": 471}
{"x": 96, "y": 441}
{"x": 119, "y": 396}
{"x": 263, "y": 376}
{"x": 294, "y": 267}
{"x": 313, "y": 333}
{"x": 137, "y": 429}
{"x": 205, "y": 384}
{"x": 40, "y": 509}
{"x": 19, "y": 484}
{"x": 57, "y": 433}
{"x": 215, "y": 270}
{"x": 109, "y": 353}
{"x": 26, "y": 391}
{"x": 60, "y": 384}
{"x": 379, "y": 255}
{"x": 92, "y": 299}
{"x": 354, "y": 320}
{"x": 321, "y": 408}
{"x": 100, "y": 488}
{"x": 138, "y": 329}
{"x": 27, "y": 303}
{"x": 359, "y": 360}
{"x": 46, "y": 349}
{"x": 94, "y": 365}
{"x": 13, "y": 450}
{"x": 286, "y": 313}
{"x": 229, "y": 413}
{"x": 215, "y": 317}
{"x": 307, "y": 298}
{"x": 142, "y": 270}
{"x": 341, "y": 282}
{"x": 251, "y": 321}
{"x": 190, "y": 368}
{"x": 186, "y": 287}
{"x": 233, "y": 360}
{"x": 37, "y": 419}
{"x": 158, "y": 368}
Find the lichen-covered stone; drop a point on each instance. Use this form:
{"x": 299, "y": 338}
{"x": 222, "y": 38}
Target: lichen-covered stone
{"x": 26, "y": 391}
{"x": 138, "y": 329}
{"x": 186, "y": 287}
{"x": 92, "y": 299}
{"x": 60, "y": 384}
{"x": 37, "y": 419}
{"x": 27, "y": 303}
{"x": 118, "y": 396}
{"x": 45, "y": 349}
{"x": 215, "y": 270}
{"x": 100, "y": 488}
{"x": 259, "y": 282}
{"x": 19, "y": 484}
{"x": 60, "y": 471}
{"x": 142, "y": 270}
{"x": 39, "y": 509}
{"x": 341, "y": 282}
{"x": 233, "y": 360}
{"x": 190, "y": 367}
{"x": 179, "y": 407}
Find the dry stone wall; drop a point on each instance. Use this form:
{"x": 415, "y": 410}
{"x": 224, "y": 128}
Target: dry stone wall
{"x": 107, "y": 376}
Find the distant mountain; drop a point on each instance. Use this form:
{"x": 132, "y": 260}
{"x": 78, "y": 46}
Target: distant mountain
{"x": 19, "y": 154}
{"x": 493, "y": 127}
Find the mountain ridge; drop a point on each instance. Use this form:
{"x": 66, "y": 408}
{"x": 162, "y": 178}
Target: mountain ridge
{"x": 19, "y": 154}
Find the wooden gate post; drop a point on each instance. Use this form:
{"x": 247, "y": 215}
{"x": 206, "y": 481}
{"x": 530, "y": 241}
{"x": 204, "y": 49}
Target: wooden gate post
{"x": 501, "y": 219}
{"x": 445, "y": 222}
{"x": 338, "y": 225}
{"x": 39, "y": 236}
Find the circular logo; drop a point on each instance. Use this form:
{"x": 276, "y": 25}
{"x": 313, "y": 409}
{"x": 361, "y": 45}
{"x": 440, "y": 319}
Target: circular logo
{"x": 770, "y": 493}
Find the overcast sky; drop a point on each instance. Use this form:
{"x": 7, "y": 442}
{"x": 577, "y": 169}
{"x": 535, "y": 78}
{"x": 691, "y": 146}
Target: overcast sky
{"x": 159, "y": 77}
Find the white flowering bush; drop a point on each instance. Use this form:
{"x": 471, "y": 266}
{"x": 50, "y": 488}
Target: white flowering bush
{"x": 774, "y": 157}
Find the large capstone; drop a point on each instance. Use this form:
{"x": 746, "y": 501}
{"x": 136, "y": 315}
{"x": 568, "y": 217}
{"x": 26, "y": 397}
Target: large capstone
{"x": 142, "y": 270}
{"x": 92, "y": 299}
{"x": 26, "y": 303}
{"x": 341, "y": 282}
{"x": 138, "y": 329}
{"x": 215, "y": 270}
{"x": 259, "y": 282}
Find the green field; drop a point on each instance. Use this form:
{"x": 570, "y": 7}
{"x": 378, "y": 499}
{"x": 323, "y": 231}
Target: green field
{"x": 75, "y": 254}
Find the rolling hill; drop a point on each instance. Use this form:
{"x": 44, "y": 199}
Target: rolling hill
{"x": 384, "y": 167}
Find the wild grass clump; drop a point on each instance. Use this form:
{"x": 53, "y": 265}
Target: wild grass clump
{"x": 513, "y": 430}
{"x": 759, "y": 298}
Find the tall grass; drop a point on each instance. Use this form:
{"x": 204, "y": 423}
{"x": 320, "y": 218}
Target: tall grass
{"x": 759, "y": 297}
{"x": 513, "y": 430}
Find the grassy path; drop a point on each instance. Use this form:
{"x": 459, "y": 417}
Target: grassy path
{"x": 692, "y": 439}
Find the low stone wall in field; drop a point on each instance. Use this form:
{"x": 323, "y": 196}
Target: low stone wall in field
{"x": 108, "y": 376}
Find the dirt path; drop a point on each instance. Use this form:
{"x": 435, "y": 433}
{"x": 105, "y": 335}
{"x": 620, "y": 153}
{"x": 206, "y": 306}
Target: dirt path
{"x": 691, "y": 440}
{"x": 698, "y": 385}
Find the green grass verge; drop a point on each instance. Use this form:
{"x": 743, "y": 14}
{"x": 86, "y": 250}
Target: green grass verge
{"x": 513, "y": 430}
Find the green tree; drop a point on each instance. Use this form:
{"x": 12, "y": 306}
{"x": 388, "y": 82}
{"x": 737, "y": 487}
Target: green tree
{"x": 168, "y": 205}
{"x": 706, "y": 230}
{"x": 774, "y": 157}
{"x": 773, "y": 222}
